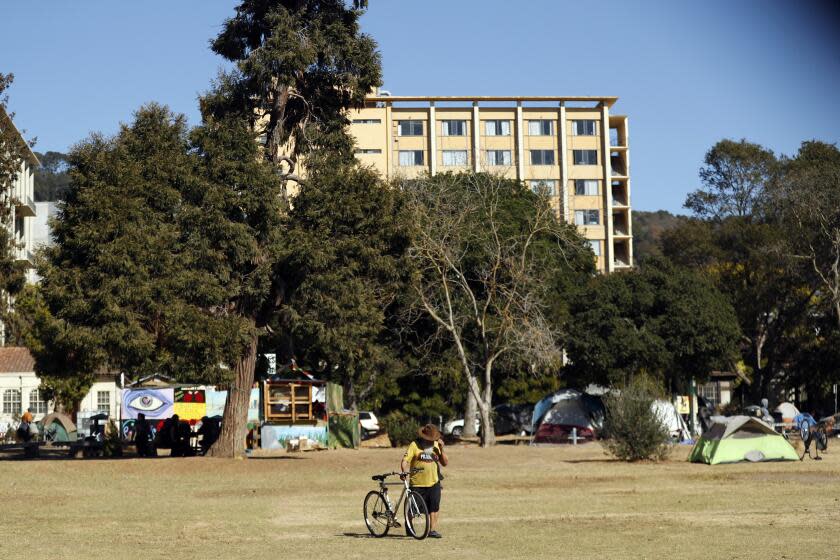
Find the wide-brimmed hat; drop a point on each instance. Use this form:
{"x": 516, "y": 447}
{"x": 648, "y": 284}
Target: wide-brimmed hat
{"x": 429, "y": 432}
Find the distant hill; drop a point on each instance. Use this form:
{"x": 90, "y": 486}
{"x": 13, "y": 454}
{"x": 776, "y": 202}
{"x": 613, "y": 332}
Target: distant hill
{"x": 647, "y": 232}
{"x": 51, "y": 179}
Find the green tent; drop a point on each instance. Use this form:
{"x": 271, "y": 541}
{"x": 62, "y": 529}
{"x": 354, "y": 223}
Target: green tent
{"x": 741, "y": 438}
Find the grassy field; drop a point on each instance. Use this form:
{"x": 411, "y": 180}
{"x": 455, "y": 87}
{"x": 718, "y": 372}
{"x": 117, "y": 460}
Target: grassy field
{"x": 506, "y": 502}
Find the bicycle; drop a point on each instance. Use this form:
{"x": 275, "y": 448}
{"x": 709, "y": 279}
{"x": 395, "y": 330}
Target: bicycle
{"x": 381, "y": 514}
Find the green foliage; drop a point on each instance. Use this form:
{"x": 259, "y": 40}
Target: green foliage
{"x": 735, "y": 177}
{"x": 401, "y": 428}
{"x": 632, "y": 429}
{"x": 299, "y": 65}
{"x": 132, "y": 278}
{"x": 648, "y": 228}
{"x": 52, "y": 179}
{"x": 662, "y": 319}
{"x": 345, "y": 270}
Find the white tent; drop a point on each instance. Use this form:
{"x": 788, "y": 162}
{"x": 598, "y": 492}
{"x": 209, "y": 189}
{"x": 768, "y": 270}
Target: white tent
{"x": 670, "y": 418}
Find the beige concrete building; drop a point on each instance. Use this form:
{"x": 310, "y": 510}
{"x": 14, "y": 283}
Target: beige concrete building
{"x": 572, "y": 148}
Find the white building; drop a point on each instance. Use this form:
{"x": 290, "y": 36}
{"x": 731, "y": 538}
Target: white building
{"x": 22, "y": 195}
{"x": 20, "y": 389}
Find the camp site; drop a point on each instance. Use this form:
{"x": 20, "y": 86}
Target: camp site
{"x": 473, "y": 279}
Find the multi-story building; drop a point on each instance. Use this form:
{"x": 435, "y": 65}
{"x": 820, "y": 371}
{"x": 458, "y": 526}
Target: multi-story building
{"x": 571, "y": 148}
{"x": 20, "y": 197}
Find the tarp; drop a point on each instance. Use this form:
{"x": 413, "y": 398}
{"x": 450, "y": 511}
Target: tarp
{"x": 741, "y": 438}
{"x": 788, "y": 411}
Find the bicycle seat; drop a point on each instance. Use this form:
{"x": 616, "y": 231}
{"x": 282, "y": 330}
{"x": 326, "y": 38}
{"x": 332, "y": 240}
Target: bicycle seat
{"x": 379, "y": 477}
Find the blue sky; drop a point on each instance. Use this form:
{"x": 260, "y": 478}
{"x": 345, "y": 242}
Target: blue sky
{"x": 687, "y": 73}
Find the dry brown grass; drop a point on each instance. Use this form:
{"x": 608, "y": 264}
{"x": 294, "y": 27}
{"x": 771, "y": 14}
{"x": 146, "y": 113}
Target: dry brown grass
{"x": 506, "y": 502}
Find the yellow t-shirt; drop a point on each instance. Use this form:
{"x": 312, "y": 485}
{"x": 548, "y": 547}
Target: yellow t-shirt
{"x": 425, "y": 459}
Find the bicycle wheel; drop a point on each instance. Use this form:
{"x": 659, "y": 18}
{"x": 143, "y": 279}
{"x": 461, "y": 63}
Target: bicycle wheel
{"x": 377, "y": 516}
{"x": 416, "y": 516}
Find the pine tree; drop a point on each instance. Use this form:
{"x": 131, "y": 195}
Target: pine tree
{"x": 300, "y": 64}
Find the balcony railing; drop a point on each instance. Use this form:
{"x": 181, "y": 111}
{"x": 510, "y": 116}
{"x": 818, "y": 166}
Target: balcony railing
{"x": 25, "y": 207}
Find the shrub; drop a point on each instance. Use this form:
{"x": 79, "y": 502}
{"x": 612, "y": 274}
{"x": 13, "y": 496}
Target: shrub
{"x": 402, "y": 429}
{"x": 632, "y": 428}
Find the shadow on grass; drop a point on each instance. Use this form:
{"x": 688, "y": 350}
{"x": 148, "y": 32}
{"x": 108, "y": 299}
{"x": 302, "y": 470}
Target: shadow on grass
{"x": 369, "y": 536}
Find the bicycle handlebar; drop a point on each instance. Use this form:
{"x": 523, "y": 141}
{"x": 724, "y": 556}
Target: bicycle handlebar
{"x": 395, "y": 473}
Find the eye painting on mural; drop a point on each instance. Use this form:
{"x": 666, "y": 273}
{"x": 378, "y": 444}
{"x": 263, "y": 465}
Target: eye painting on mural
{"x": 154, "y": 403}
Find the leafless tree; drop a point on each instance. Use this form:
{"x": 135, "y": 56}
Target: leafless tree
{"x": 477, "y": 278}
{"x": 809, "y": 199}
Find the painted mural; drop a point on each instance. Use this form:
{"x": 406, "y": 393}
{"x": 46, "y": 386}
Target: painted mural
{"x": 216, "y": 404}
{"x": 190, "y": 404}
{"x": 275, "y": 437}
{"x": 154, "y": 403}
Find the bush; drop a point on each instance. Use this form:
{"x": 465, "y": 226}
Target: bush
{"x": 401, "y": 429}
{"x": 632, "y": 429}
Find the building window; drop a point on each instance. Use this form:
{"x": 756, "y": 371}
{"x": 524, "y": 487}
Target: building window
{"x": 37, "y": 402}
{"x": 498, "y": 157}
{"x": 584, "y": 128}
{"x": 586, "y": 187}
{"x": 103, "y": 402}
{"x": 368, "y": 151}
{"x": 710, "y": 392}
{"x": 544, "y": 186}
{"x": 411, "y": 128}
{"x": 585, "y": 157}
{"x": 453, "y": 128}
{"x": 497, "y": 128}
{"x": 596, "y": 246}
{"x": 452, "y": 158}
{"x": 11, "y": 401}
{"x": 587, "y": 217}
{"x": 410, "y": 158}
{"x": 367, "y": 121}
{"x": 543, "y": 127}
{"x": 542, "y": 157}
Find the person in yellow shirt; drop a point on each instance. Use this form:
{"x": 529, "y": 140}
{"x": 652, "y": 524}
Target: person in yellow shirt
{"x": 425, "y": 453}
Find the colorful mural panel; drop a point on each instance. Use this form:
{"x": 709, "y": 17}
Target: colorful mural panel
{"x": 190, "y": 404}
{"x": 275, "y": 437}
{"x": 154, "y": 403}
{"x": 216, "y": 404}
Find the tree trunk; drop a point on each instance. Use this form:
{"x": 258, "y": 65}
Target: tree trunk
{"x": 231, "y": 442}
{"x": 488, "y": 432}
{"x": 469, "y": 414}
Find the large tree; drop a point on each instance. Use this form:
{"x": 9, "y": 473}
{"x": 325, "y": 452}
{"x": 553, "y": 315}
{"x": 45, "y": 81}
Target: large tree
{"x": 807, "y": 198}
{"x": 346, "y": 268}
{"x": 131, "y": 281}
{"x": 736, "y": 240}
{"x": 299, "y": 66}
{"x": 667, "y": 321}
{"x": 484, "y": 278}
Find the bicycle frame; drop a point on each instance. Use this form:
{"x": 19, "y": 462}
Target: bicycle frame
{"x": 393, "y": 509}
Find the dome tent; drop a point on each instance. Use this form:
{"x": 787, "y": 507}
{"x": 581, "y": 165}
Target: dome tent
{"x": 741, "y": 438}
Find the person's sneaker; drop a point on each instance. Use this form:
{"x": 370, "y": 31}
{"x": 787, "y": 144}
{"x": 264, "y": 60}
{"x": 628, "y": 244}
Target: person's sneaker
{"x": 435, "y": 535}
